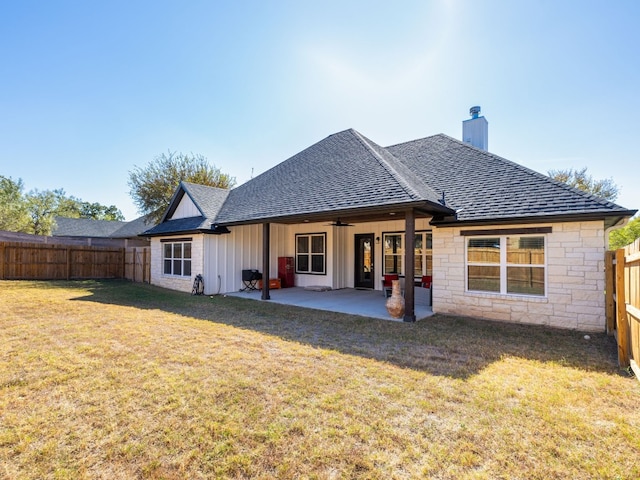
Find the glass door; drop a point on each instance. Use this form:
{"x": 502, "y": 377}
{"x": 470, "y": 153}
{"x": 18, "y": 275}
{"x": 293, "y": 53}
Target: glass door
{"x": 364, "y": 261}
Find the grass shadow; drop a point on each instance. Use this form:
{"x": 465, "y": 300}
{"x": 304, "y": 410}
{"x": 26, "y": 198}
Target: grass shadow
{"x": 451, "y": 346}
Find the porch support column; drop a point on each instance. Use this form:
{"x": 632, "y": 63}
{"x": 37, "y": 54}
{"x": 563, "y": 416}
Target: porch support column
{"x": 409, "y": 265}
{"x": 266, "y": 230}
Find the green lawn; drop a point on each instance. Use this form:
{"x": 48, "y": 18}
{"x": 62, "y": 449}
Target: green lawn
{"x": 116, "y": 380}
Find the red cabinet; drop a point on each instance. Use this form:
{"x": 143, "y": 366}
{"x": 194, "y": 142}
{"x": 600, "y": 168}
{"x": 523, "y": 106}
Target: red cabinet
{"x": 286, "y": 271}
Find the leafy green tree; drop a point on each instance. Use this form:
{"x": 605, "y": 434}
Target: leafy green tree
{"x": 606, "y": 189}
{"x": 34, "y": 212}
{"x": 625, "y": 235}
{"x": 153, "y": 186}
{"x": 14, "y": 216}
{"x": 44, "y": 205}
{"x": 100, "y": 212}
{"x": 581, "y": 180}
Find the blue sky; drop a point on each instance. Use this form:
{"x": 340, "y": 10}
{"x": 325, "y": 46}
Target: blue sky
{"x": 89, "y": 90}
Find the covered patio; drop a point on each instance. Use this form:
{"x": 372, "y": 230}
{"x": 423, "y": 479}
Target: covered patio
{"x": 366, "y": 303}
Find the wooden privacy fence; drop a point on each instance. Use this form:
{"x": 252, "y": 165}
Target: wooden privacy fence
{"x": 623, "y": 302}
{"x": 38, "y": 261}
{"x": 137, "y": 264}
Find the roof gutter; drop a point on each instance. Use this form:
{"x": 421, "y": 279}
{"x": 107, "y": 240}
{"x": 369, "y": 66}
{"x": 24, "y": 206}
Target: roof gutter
{"x": 426, "y": 207}
{"x": 610, "y": 218}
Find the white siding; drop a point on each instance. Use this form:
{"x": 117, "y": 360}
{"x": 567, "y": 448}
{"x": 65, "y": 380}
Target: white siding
{"x": 186, "y": 209}
{"x": 227, "y": 255}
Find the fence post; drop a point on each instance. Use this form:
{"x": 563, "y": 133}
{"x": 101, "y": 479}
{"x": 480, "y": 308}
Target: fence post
{"x": 68, "y": 250}
{"x": 135, "y": 263}
{"x": 621, "y": 314}
{"x": 609, "y": 291}
{"x": 124, "y": 263}
{"x": 144, "y": 264}
{"x": 2, "y": 260}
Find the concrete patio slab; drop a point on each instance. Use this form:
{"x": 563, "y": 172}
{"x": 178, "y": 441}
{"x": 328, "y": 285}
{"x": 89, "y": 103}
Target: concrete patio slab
{"x": 366, "y": 303}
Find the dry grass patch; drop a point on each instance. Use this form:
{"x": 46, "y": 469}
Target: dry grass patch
{"x": 117, "y": 380}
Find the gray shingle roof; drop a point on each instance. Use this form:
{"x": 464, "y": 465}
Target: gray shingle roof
{"x": 484, "y": 186}
{"x": 207, "y": 199}
{"x": 180, "y": 225}
{"x": 88, "y": 227}
{"x": 348, "y": 172}
{"x": 85, "y": 227}
{"x": 134, "y": 227}
{"x": 344, "y": 171}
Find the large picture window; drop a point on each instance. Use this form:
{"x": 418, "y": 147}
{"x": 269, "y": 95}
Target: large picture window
{"x": 177, "y": 258}
{"x": 394, "y": 254}
{"x": 311, "y": 253}
{"x": 507, "y": 264}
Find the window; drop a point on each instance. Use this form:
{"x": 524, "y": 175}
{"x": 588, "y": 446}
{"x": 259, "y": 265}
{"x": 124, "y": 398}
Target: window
{"x": 423, "y": 254}
{"x": 177, "y": 258}
{"x": 394, "y": 254}
{"x": 506, "y": 264}
{"x": 525, "y": 265}
{"x": 311, "y": 253}
{"x": 483, "y": 269}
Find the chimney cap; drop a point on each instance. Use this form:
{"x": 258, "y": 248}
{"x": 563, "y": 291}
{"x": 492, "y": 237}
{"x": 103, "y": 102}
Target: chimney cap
{"x": 474, "y": 111}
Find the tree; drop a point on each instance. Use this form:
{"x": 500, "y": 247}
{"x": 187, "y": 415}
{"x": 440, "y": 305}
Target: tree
{"x": 44, "y": 205}
{"x": 100, "y": 212}
{"x": 581, "y": 180}
{"x": 153, "y": 186}
{"x": 625, "y": 235}
{"x": 34, "y": 212}
{"x": 14, "y": 216}
{"x": 605, "y": 189}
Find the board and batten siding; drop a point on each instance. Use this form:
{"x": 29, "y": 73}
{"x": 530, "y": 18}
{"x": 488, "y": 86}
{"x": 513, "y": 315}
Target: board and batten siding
{"x": 575, "y": 280}
{"x": 227, "y": 255}
{"x": 186, "y": 209}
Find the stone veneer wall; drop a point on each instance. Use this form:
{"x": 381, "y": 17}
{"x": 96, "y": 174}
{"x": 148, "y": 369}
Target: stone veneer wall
{"x": 575, "y": 280}
{"x": 183, "y": 284}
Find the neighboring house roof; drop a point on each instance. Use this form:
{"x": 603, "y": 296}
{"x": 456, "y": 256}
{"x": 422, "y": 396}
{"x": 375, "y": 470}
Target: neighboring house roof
{"x": 134, "y": 228}
{"x": 347, "y": 174}
{"x": 87, "y": 227}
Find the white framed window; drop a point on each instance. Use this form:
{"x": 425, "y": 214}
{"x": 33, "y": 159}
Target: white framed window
{"x": 393, "y": 252}
{"x": 311, "y": 256}
{"x": 176, "y": 256}
{"x": 507, "y": 264}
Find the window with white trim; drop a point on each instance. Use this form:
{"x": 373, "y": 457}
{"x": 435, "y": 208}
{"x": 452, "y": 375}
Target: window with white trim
{"x": 507, "y": 264}
{"x": 311, "y": 253}
{"x": 394, "y": 253}
{"x": 177, "y": 258}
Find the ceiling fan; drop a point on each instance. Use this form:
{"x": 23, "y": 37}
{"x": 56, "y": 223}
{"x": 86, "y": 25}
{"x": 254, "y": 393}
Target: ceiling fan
{"x": 339, "y": 223}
